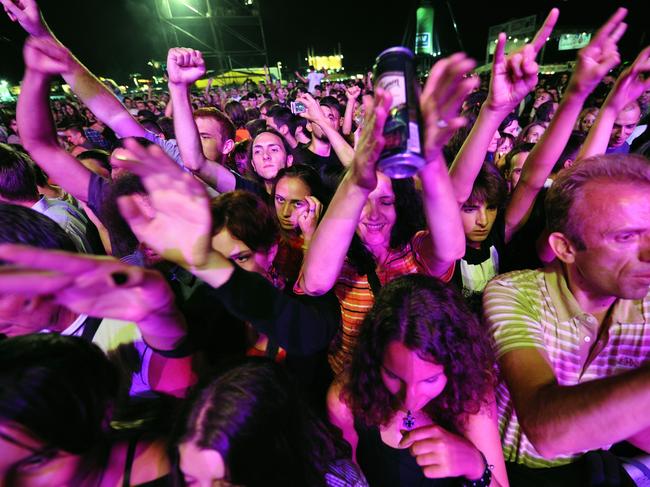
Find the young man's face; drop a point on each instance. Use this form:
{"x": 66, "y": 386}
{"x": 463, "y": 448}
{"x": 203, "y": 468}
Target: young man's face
{"x": 334, "y": 119}
{"x": 269, "y": 155}
{"x": 517, "y": 164}
{"x": 624, "y": 125}
{"x": 211, "y": 139}
{"x": 478, "y": 219}
{"x": 615, "y": 228}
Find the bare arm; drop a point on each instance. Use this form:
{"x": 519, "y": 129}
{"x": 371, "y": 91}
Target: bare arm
{"x": 629, "y": 86}
{"x": 513, "y": 77}
{"x": 568, "y": 419}
{"x": 315, "y": 115}
{"x": 594, "y": 62}
{"x": 329, "y": 246}
{"x": 301, "y": 78}
{"x": 441, "y": 99}
{"x": 352, "y": 94}
{"x": 186, "y": 66}
{"x": 43, "y": 58}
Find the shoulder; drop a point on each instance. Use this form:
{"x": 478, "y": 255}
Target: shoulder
{"x": 339, "y": 412}
{"x": 150, "y": 462}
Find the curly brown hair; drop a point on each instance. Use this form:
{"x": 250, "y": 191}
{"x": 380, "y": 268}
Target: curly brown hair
{"x": 430, "y": 318}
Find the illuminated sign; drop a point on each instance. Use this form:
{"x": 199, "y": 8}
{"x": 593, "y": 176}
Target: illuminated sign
{"x": 573, "y": 41}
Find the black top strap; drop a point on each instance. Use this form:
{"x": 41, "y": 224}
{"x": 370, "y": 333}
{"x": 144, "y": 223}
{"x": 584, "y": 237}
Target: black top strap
{"x": 90, "y": 327}
{"x": 128, "y": 465}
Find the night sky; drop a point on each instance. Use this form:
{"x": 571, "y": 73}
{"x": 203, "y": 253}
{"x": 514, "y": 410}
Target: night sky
{"x": 116, "y": 37}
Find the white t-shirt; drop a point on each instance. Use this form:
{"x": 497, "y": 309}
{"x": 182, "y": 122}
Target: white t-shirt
{"x": 314, "y": 78}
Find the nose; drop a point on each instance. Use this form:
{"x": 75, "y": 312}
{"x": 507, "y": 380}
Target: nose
{"x": 644, "y": 250}
{"x": 481, "y": 217}
{"x": 410, "y": 397}
{"x": 286, "y": 209}
{"x": 372, "y": 210}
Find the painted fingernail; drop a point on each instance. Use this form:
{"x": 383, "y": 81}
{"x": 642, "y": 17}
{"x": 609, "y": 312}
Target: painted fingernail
{"x": 119, "y": 278}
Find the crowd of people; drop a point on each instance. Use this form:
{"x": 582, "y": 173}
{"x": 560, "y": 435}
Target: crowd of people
{"x": 206, "y": 288}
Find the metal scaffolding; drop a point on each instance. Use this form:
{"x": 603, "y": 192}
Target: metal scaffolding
{"x": 228, "y": 32}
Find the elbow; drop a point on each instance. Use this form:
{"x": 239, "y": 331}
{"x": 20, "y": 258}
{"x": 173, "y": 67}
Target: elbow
{"x": 548, "y": 444}
{"x": 315, "y": 287}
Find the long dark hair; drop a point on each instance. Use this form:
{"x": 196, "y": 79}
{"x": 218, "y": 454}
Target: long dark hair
{"x": 432, "y": 319}
{"x": 253, "y": 416}
{"x": 409, "y": 220}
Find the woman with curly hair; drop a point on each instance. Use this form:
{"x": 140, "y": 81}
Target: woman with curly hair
{"x": 417, "y": 400}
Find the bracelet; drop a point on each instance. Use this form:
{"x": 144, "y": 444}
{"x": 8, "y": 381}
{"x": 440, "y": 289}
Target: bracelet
{"x": 485, "y": 479}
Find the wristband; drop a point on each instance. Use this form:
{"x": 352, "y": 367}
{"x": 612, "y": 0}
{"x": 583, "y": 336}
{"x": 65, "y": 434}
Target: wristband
{"x": 485, "y": 479}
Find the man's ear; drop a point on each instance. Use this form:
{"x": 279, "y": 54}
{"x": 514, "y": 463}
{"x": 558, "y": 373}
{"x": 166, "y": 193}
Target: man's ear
{"x": 284, "y": 130}
{"x": 228, "y": 146}
{"x": 562, "y": 247}
{"x": 289, "y": 160}
{"x": 310, "y": 129}
{"x": 568, "y": 163}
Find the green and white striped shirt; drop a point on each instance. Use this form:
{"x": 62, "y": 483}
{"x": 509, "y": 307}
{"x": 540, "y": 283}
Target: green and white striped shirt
{"x": 535, "y": 309}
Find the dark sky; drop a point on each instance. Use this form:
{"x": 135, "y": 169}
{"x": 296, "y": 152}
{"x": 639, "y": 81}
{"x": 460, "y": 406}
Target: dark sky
{"x": 117, "y": 37}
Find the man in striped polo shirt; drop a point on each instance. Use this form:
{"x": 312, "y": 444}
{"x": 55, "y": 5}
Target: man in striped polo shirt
{"x": 573, "y": 338}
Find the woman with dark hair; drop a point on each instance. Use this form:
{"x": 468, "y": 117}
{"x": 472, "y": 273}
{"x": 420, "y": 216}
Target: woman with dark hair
{"x": 250, "y": 427}
{"x": 417, "y": 401}
{"x": 57, "y": 394}
{"x": 372, "y": 231}
{"x": 237, "y": 113}
{"x": 298, "y": 197}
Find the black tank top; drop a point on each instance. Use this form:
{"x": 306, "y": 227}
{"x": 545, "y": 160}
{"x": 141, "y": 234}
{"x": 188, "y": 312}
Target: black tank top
{"x": 391, "y": 467}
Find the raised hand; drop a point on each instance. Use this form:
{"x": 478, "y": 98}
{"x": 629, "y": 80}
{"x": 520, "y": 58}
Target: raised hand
{"x": 443, "y": 454}
{"x": 601, "y": 54}
{"x": 28, "y": 15}
{"x": 314, "y": 112}
{"x": 514, "y": 76}
{"x": 176, "y": 222}
{"x": 441, "y": 99}
{"x": 92, "y": 285}
{"x": 353, "y": 92}
{"x": 363, "y": 169}
{"x": 44, "y": 55}
{"x": 308, "y": 218}
{"x": 185, "y": 66}
{"x": 632, "y": 82}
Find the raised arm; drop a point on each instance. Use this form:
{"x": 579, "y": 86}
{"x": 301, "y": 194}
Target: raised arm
{"x": 185, "y": 66}
{"x": 513, "y": 77}
{"x": 315, "y": 115}
{"x": 300, "y": 77}
{"x": 104, "y": 287}
{"x": 629, "y": 86}
{"x": 177, "y": 225}
{"x": 352, "y": 94}
{"x": 44, "y": 59}
{"x": 329, "y": 246}
{"x": 95, "y": 95}
{"x": 442, "y": 97}
{"x": 594, "y": 62}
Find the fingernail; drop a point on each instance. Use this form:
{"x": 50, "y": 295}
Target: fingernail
{"x": 119, "y": 278}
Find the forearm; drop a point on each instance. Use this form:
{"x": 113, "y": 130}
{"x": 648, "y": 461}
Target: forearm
{"x": 102, "y": 101}
{"x": 562, "y": 420}
{"x": 468, "y": 161}
{"x": 301, "y": 325}
{"x": 599, "y": 134}
{"x": 39, "y": 137}
{"x": 169, "y": 109}
{"x": 541, "y": 160}
{"x": 348, "y": 117}
{"x": 187, "y": 134}
{"x": 329, "y": 246}
{"x": 163, "y": 330}
{"x": 344, "y": 152}
{"x": 447, "y": 235}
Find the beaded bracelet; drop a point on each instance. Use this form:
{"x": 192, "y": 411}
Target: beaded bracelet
{"x": 485, "y": 479}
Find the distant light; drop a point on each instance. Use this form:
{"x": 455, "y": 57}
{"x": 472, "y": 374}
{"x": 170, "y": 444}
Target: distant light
{"x": 548, "y": 39}
{"x": 526, "y": 39}
{"x": 509, "y": 37}
{"x": 516, "y": 40}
